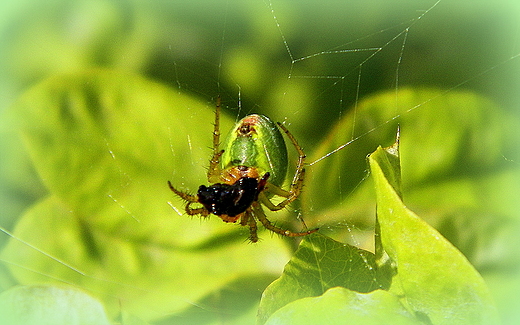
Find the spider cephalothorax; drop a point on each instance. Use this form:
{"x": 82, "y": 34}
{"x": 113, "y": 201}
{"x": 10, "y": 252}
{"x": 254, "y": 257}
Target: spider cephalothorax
{"x": 252, "y": 166}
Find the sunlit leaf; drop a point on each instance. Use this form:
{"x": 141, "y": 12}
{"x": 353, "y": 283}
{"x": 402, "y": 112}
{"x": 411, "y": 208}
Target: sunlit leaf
{"x": 342, "y": 306}
{"x": 319, "y": 264}
{"x": 431, "y": 281}
{"x": 435, "y": 280}
{"x": 49, "y": 305}
{"x": 456, "y": 140}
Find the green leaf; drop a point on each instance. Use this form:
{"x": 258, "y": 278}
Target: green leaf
{"x": 459, "y": 154}
{"x": 453, "y": 146}
{"x": 435, "y": 280}
{"x": 105, "y": 144}
{"x": 319, "y": 264}
{"x": 343, "y": 306}
{"x": 431, "y": 281}
{"x": 41, "y": 305}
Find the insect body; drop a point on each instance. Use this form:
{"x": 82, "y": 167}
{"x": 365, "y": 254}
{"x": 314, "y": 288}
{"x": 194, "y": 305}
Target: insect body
{"x": 246, "y": 174}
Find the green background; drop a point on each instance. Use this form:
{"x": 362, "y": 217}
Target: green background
{"x": 459, "y": 63}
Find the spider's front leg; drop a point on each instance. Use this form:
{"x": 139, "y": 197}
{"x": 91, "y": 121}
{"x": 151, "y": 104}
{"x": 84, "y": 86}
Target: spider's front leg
{"x": 214, "y": 164}
{"x": 190, "y": 199}
{"x": 214, "y": 167}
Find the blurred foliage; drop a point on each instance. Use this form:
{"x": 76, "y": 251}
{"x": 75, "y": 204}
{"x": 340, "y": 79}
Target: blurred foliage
{"x": 87, "y": 181}
{"x": 50, "y": 305}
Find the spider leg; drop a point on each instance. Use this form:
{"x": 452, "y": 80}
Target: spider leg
{"x": 296, "y": 184}
{"x": 184, "y": 196}
{"x": 289, "y": 196}
{"x": 214, "y": 164}
{"x": 190, "y": 199}
{"x": 192, "y": 212}
{"x": 259, "y": 213}
{"x": 298, "y": 175}
{"x": 248, "y": 219}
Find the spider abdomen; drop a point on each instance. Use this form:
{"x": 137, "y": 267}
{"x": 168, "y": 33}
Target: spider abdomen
{"x": 256, "y": 142}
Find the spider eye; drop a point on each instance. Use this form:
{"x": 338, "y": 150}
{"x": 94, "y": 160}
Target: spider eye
{"x": 255, "y": 141}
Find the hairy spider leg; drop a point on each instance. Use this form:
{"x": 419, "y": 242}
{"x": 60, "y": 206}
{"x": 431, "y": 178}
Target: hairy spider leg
{"x": 190, "y": 199}
{"x": 301, "y": 154}
{"x": 260, "y": 215}
{"x": 253, "y": 237}
{"x": 289, "y": 196}
{"x": 214, "y": 164}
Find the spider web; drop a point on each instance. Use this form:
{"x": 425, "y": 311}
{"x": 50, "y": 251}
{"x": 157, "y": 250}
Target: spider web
{"x": 312, "y": 65}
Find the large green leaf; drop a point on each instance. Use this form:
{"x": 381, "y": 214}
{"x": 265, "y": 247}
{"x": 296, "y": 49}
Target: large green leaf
{"x": 105, "y": 144}
{"x": 431, "y": 281}
{"x": 435, "y": 280}
{"x": 460, "y": 173}
{"x": 320, "y": 263}
{"x": 450, "y": 140}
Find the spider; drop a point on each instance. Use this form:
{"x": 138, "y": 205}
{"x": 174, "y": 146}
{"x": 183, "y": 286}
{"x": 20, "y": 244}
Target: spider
{"x": 247, "y": 174}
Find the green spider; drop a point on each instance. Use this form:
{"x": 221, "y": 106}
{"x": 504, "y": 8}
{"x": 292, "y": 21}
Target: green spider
{"x": 245, "y": 174}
